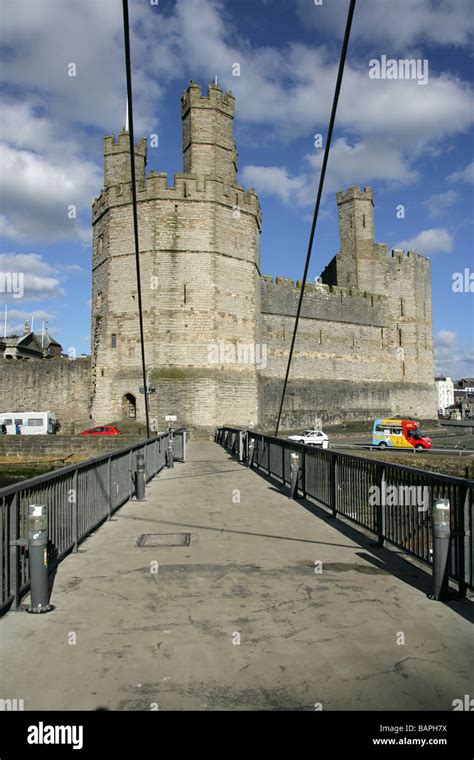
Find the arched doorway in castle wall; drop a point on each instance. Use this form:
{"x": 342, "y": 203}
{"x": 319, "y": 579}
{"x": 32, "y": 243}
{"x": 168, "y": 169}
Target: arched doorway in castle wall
{"x": 129, "y": 406}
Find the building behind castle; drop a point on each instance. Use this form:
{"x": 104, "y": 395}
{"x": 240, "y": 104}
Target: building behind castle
{"x": 217, "y": 332}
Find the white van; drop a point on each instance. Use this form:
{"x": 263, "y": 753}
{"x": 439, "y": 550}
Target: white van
{"x": 31, "y": 423}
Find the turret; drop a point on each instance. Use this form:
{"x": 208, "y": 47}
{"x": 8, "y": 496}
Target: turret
{"x": 117, "y": 160}
{"x": 208, "y": 134}
{"x": 356, "y": 218}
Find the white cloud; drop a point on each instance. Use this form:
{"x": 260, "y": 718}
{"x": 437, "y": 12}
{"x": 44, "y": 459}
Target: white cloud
{"x": 35, "y": 276}
{"x": 437, "y": 205}
{"x": 37, "y": 314}
{"x": 463, "y": 175}
{"x": 44, "y": 37}
{"x": 397, "y": 24}
{"x": 428, "y": 242}
{"x": 453, "y": 357}
{"x": 275, "y": 180}
{"x": 384, "y": 126}
{"x": 36, "y": 193}
{"x": 371, "y": 159}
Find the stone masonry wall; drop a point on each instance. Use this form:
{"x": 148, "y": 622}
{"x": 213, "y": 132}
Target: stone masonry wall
{"x": 58, "y": 385}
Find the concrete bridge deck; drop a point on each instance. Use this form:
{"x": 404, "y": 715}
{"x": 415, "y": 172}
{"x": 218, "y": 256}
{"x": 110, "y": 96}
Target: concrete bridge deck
{"x": 168, "y": 639}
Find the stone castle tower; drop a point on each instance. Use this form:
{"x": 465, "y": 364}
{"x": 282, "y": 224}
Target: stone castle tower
{"x": 200, "y": 268}
{"x": 365, "y": 342}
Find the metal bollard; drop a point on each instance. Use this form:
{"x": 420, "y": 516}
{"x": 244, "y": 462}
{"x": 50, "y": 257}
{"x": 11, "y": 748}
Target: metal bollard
{"x": 140, "y": 478}
{"x": 294, "y": 472}
{"x": 241, "y": 445}
{"x": 38, "y": 559}
{"x": 170, "y": 460}
{"x": 251, "y": 450}
{"x": 441, "y": 542}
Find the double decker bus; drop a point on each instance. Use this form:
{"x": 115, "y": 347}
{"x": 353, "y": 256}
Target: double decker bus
{"x": 405, "y": 434}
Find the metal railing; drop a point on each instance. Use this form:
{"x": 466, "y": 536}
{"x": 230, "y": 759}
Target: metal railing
{"x": 391, "y": 500}
{"x": 78, "y": 498}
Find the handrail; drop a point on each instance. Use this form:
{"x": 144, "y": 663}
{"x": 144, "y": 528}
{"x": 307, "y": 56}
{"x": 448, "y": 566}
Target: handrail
{"x": 40, "y": 479}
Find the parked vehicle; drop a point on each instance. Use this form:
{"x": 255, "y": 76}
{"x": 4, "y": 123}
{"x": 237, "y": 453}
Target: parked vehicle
{"x": 101, "y": 430}
{"x": 311, "y": 438}
{"x": 30, "y": 423}
{"x": 405, "y": 434}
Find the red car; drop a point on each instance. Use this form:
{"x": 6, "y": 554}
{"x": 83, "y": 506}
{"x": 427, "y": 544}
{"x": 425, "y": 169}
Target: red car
{"x": 102, "y": 430}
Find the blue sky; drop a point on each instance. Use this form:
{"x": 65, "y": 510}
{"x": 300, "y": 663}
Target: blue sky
{"x": 412, "y": 143}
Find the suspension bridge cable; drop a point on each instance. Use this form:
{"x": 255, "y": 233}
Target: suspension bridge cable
{"x": 128, "y": 67}
{"x": 340, "y": 73}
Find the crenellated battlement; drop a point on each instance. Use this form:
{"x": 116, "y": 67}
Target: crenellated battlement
{"x": 122, "y": 144}
{"x": 323, "y": 302}
{"x": 355, "y": 193}
{"x": 117, "y": 160}
{"x": 216, "y": 98}
{"x": 287, "y": 282}
{"x": 186, "y": 187}
{"x": 410, "y": 257}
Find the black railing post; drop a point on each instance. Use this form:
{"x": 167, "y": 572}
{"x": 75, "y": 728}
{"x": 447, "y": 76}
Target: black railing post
{"x": 334, "y": 485}
{"x": 382, "y": 484}
{"x": 14, "y": 551}
{"x": 463, "y": 539}
{"x": 109, "y": 486}
{"x": 303, "y": 473}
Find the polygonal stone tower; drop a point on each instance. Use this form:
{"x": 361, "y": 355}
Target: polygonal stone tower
{"x": 200, "y": 262}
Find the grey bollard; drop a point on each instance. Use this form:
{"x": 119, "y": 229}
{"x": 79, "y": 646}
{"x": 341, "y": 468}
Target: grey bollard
{"x": 170, "y": 456}
{"x": 140, "y": 478}
{"x": 441, "y": 543}
{"x": 251, "y": 450}
{"x": 294, "y": 472}
{"x": 38, "y": 559}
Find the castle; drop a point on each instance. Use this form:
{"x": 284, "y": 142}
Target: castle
{"x": 217, "y": 332}
{"x": 365, "y": 341}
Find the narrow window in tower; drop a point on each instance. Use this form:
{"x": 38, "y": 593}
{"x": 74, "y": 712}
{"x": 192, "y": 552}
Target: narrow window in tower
{"x": 102, "y": 373}
{"x": 113, "y": 341}
{"x": 320, "y": 336}
{"x": 185, "y": 191}
{"x": 100, "y": 245}
{"x": 399, "y": 336}
{"x": 363, "y": 220}
{"x": 184, "y": 293}
{"x": 350, "y": 220}
{"x": 99, "y": 301}
{"x": 403, "y": 369}
{"x": 401, "y": 307}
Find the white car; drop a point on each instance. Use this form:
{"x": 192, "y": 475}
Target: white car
{"x": 311, "y": 438}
